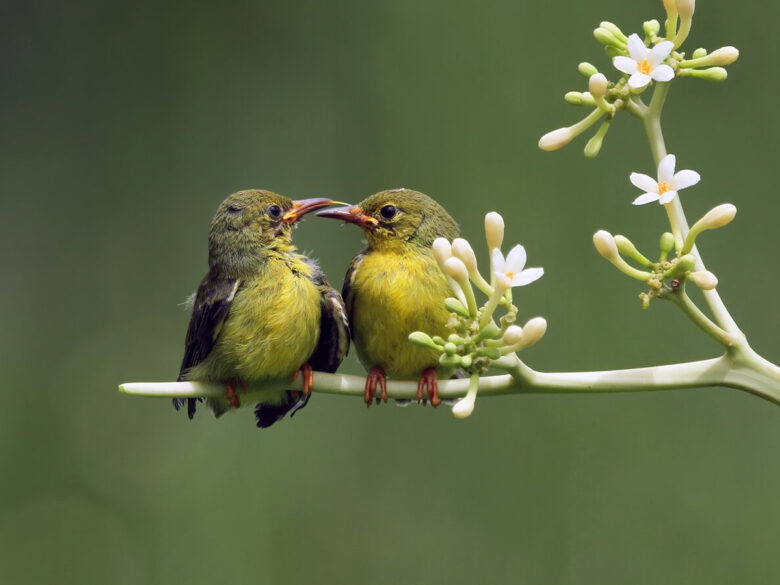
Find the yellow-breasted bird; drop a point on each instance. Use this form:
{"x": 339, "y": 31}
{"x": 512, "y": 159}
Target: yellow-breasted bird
{"x": 263, "y": 311}
{"x": 395, "y": 287}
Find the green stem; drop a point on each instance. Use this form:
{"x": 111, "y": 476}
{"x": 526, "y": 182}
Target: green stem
{"x": 701, "y": 320}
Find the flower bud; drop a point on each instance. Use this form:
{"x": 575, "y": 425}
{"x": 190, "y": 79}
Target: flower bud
{"x": 593, "y": 146}
{"x": 453, "y": 305}
{"x": 626, "y": 248}
{"x": 455, "y": 268}
{"x": 597, "y": 85}
{"x": 685, "y": 8}
{"x": 710, "y": 74}
{"x": 462, "y": 249}
{"x": 423, "y": 340}
{"x": 534, "y": 330}
{"x": 666, "y": 244}
{"x": 614, "y": 29}
{"x": 605, "y": 244}
{"x": 606, "y": 37}
{"x": 651, "y": 27}
{"x": 494, "y": 230}
{"x": 718, "y": 216}
{"x": 556, "y": 139}
{"x": 463, "y": 407}
{"x": 670, "y": 6}
{"x": 699, "y": 53}
{"x": 513, "y": 335}
{"x": 684, "y": 264}
{"x": 723, "y": 56}
{"x": 587, "y": 69}
{"x": 442, "y": 249}
{"x": 704, "y": 279}
{"x": 574, "y": 98}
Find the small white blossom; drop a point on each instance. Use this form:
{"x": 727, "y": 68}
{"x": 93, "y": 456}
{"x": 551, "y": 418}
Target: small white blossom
{"x": 669, "y": 182}
{"x": 643, "y": 64}
{"x": 511, "y": 272}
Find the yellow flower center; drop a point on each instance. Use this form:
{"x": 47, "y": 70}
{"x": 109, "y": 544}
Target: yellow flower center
{"x": 644, "y": 67}
{"x": 510, "y": 275}
{"x": 663, "y": 187}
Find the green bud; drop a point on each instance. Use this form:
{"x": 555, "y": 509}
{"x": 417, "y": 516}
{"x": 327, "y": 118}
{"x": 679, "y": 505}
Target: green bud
{"x": 492, "y": 353}
{"x": 593, "y": 145}
{"x": 651, "y": 27}
{"x": 607, "y": 38}
{"x": 699, "y": 53}
{"x": 489, "y": 331}
{"x": 586, "y": 69}
{"x": 574, "y": 98}
{"x": 613, "y": 51}
{"x": 626, "y": 248}
{"x": 450, "y": 348}
{"x": 450, "y": 361}
{"x": 453, "y": 305}
{"x": 614, "y": 29}
{"x": 683, "y": 265}
{"x": 666, "y": 244}
{"x": 423, "y": 340}
{"x": 466, "y": 361}
{"x": 438, "y": 340}
{"x": 456, "y": 339}
{"x": 710, "y": 74}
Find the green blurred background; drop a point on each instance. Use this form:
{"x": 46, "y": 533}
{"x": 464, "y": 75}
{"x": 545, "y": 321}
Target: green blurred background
{"x": 123, "y": 126}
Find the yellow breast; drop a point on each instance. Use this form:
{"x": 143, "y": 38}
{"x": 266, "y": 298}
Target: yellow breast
{"x": 273, "y": 325}
{"x": 393, "y": 294}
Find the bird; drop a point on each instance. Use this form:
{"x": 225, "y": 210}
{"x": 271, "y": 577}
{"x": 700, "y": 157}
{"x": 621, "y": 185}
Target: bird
{"x": 263, "y": 310}
{"x": 394, "y": 287}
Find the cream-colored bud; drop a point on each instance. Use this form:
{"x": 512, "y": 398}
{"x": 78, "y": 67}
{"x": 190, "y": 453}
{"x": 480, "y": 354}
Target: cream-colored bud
{"x": 534, "y": 330}
{"x": 442, "y": 249}
{"x": 723, "y": 56}
{"x": 597, "y": 85}
{"x": 704, "y": 279}
{"x": 719, "y": 216}
{"x": 463, "y": 407}
{"x": 605, "y": 244}
{"x": 685, "y": 8}
{"x": 556, "y": 139}
{"x": 670, "y": 6}
{"x": 513, "y": 335}
{"x": 494, "y": 230}
{"x": 462, "y": 249}
{"x": 455, "y": 268}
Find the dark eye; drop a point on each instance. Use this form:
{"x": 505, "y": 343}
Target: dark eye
{"x": 274, "y": 211}
{"x": 388, "y": 212}
{"x": 235, "y": 210}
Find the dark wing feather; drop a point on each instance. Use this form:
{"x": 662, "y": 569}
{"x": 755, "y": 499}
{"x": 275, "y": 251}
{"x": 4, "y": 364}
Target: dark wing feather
{"x": 347, "y": 292}
{"x": 211, "y": 306}
{"x": 333, "y": 344}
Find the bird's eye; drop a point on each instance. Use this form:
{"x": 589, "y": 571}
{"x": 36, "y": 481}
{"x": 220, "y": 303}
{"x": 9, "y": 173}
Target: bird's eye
{"x": 235, "y": 210}
{"x": 388, "y": 212}
{"x": 274, "y": 211}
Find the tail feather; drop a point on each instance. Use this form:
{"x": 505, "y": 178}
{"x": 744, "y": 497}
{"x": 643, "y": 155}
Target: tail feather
{"x": 267, "y": 414}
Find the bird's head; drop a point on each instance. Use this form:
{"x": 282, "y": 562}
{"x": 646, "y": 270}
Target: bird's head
{"x": 250, "y": 224}
{"x": 395, "y": 218}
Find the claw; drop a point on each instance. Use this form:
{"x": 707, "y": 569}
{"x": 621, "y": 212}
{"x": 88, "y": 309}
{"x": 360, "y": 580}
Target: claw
{"x": 231, "y": 394}
{"x": 430, "y": 383}
{"x": 375, "y": 377}
{"x": 308, "y": 378}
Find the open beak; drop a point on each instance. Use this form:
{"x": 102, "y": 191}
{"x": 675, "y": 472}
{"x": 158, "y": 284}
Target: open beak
{"x": 350, "y": 214}
{"x": 304, "y": 206}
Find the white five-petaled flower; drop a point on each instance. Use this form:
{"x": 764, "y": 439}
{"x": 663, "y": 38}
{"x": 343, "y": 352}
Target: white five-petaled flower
{"x": 511, "y": 271}
{"x": 643, "y": 64}
{"x": 667, "y": 185}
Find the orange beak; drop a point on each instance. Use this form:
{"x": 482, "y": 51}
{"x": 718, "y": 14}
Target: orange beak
{"x": 351, "y": 214}
{"x": 304, "y": 206}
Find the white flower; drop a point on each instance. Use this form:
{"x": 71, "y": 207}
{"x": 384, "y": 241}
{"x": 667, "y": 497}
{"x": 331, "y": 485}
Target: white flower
{"x": 645, "y": 64}
{"x": 511, "y": 271}
{"x": 665, "y": 189}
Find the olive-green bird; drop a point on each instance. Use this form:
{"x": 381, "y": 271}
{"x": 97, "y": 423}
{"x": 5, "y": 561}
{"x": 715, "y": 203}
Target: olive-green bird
{"x": 263, "y": 311}
{"x": 395, "y": 287}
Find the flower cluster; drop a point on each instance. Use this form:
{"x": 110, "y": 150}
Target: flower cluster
{"x": 479, "y": 338}
{"x": 666, "y": 276}
{"x": 641, "y": 61}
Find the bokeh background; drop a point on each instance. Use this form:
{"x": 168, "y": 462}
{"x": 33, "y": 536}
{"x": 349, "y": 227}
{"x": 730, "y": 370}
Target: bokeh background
{"x": 123, "y": 125}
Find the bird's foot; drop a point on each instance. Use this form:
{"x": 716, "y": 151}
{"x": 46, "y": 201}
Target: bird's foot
{"x": 430, "y": 384}
{"x": 307, "y": 373}
{"x": 376, "y": 376}
{"x": 231, "y": 394}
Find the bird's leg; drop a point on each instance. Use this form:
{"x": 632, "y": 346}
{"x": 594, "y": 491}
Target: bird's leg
{"x": 230, "y": 391}
{"x": 307, "y": 372}
{"x": 430, "y": 383}
{"x": 375, "y": 376}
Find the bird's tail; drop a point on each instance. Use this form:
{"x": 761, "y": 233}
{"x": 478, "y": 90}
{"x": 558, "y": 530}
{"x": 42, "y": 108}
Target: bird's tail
{"x": 267, "y": 414}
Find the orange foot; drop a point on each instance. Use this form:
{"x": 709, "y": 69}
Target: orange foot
{"x": 375, "y": 376}
{"x": 232, "y": 395}
{"x": 430, "y": 384}
{"x": 307, "y": 372}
